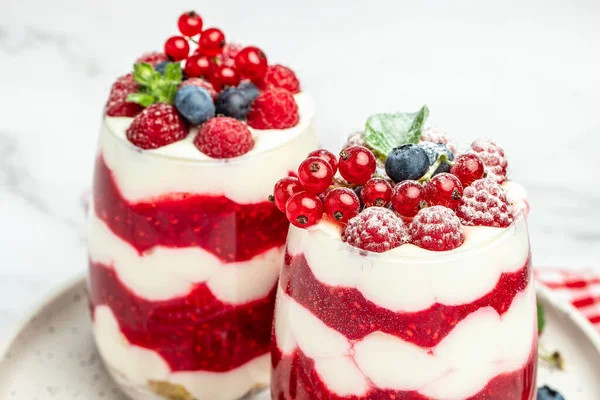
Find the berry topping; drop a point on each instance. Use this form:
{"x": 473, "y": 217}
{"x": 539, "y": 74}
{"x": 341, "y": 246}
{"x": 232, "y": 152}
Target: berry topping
{"x": 198, "y": 66}
{"x": 437, "y": 228}
{"x": 341, "y": 204}
{"x": 435, "y": 135}
{"x": 327, "y": 156}
{"x": 407, "y": 162}
{"x": 356, "y": 139}
{"x": 284, "y": 189}
{"x": 408, "y": 198}
{"x": 152, "y": 58}
{"x": 278, "y": 76}
{"x": 117, "y": 104}
{"x": 547, "y": 393}
{"x": 201, "y": 83}
{"x": 274, "y": 109}
{"x": 229, "y": 52}
{"x": 233, "y": 102}
{"x": 375, "y": 229}
{"x": 357, "y": 164}
{"x": 376, "y": 192}
{"x": 224, "y": 137}
{"x": 177, "y": 48}
{"x": 444, "y": 190}
{"x": 304, "y": 209}
{"x": 158, "y": 125}
{"x": 468, "y": 168}
{"x": 249, "y": 89}
{"x": 195, "y": 104}
{"x": 484, "y": 203}
{"x": 161, "y": 67}
{"x": 212, "y": 41}
{"x": 251, "y": 62}
{"x": 315, "y": 174}
{"x": 224, "y": 76}
{"x": 492, "y": 156}
{"x": 189, "y": 24}
{"x": 433, "y": 151}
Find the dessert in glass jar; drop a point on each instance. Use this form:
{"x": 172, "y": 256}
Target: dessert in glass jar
{"x": 184, "y": 246}
{"x": 408, "y": 282}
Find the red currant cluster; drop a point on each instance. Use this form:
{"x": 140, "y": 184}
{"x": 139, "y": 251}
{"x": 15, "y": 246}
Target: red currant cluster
{"x": 221, "y": 63}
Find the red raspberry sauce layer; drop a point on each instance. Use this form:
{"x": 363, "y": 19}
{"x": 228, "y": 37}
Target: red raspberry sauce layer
{"x": 347, "y": 311}
{"x": 194, "y": 332}
{"x": 294, "y": 378}
{"x": 231, "y": 231}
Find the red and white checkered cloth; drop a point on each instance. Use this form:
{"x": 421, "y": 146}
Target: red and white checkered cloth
{"x": 580, "y": 288}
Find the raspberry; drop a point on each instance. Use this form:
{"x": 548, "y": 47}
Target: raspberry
{"x": 201, "y": 83}
{"x": 278, "y": 76}
{"x": 274, "y": 109}
{"x": 375, "y": 229}
{"x": 117, "y": 104}
{"x": 437, "y": 228}
{"x": 224, "y": 137}
{"x": 484, "y": 203}
{"x": 229, "y": 52}
{"x": 158, "y": 125}
{"x": 492, "y": 156}
{"x": 436, "y": 135}
{"x": 152, "y": 58}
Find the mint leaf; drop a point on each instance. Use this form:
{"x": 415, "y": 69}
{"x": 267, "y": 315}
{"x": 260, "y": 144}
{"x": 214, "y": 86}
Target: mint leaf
{"x": 173, "y": 73}
{"x": 144, "y": 99}
{"x": 541, "y": 318}
{"x": 383, "y": 132}
{"x": 142, "y": 73}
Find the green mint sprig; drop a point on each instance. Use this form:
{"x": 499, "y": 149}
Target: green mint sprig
{"x": 384, "y": 132}
{"x": 154, "y": 86}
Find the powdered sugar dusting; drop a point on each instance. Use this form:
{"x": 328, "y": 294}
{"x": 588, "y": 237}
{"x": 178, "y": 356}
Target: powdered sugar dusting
{"x": 436, "y": 135}
{"x": 492, "y": 156}
{"x": 437, "y": 228}
{"x": 376, "y": 229}
{"x": 484, "y": 203}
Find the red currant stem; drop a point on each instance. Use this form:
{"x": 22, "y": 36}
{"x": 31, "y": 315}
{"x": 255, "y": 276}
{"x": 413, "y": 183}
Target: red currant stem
{"x": 441, "y": 158}
{"x": 554, "y": 358}
{"x": 343, "y": 184}
{"x": 191, "y": 39}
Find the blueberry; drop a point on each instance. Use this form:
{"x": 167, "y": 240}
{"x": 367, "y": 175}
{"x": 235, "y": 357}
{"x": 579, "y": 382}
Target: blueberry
{"x": 194, "y": 104}
{"x": 161, "y": 66}
{"x": 407, "y": 162}
{"x": 546, "y": 393}
{"x": 249, "y": 89}
{"x": 433, "y": 150}
{"x": 232, "y": 102}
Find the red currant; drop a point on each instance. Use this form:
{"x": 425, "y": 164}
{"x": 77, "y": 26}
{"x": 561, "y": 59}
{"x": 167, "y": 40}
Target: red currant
{"x": 177, "y": 48}
{"x": 341, "y": 204}
{"x": 211, "y": 42}
{"x": 224, "y": 76}
{"x": 468, "y": 168}
{"x": 408, "y": 197}
{"x": 283, "y": 190}
{"x": 189, "y": 24}
{"x": 327, "y": 156}
{"x": 444, "y": 190}
{"x": 198, "y": 66}
{"x": 376, "y": 192}
{"x": 315, "y": 174}
{"x": 357, "y": 164}
{"x": 304, "y": 209}
{"x": 251, "y": 62}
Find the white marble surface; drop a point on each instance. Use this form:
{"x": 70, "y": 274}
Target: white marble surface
{"x": 525, "y": 73}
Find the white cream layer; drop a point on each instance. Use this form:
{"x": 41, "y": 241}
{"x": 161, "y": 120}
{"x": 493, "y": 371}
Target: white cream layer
{"x": 181, "y": 168}
{"x": 165, "y": 273}
{"x": 479, "y": 348}
{"x": 139, "y": 365}
{"x": 410, "y": 278}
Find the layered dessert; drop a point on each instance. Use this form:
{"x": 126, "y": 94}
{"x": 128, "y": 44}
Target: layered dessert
{"x": 408, "y": 281}
{"x": 184, "y": 247}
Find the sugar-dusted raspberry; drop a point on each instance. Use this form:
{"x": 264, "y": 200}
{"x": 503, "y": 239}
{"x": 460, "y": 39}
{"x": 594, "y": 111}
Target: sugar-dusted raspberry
{"x": 117, "y": 104}
{"x": 492, "y": 156}
{"x": 229, "y": 52}
{"x": 274, "y": 109}
{"x": 278, "y": 76}
{"x": 484, "y": 203}
{"x": 376, "y": 229}
{"x": 152, "y": 58}
{"x": 437, "y": 228}
{"x": 158, "y": 125}
{"x": 436, "y": 135}
{"x": 224, "y": 137}
{"x": 201, "y": 83}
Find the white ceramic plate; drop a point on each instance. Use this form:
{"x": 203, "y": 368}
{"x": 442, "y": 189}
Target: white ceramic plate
{"x": 52, "y": 356}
